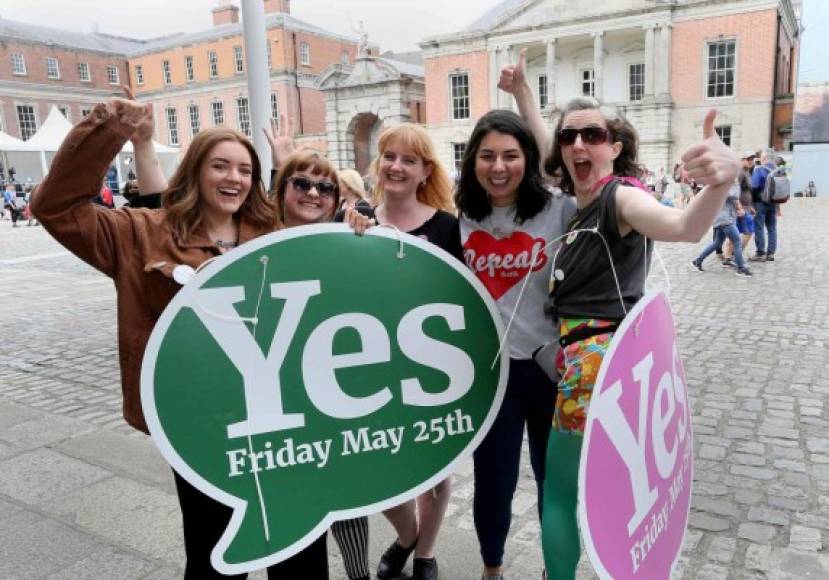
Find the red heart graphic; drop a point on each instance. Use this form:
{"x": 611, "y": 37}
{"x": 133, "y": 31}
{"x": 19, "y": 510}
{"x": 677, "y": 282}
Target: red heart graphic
{"x": 501, "y": 264}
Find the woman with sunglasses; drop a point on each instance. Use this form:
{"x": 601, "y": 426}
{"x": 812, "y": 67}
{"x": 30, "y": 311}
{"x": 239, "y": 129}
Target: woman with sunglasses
{"x": 413, "y": 192}
{"x": 507, "y": 218}
{"x": 596, "y": 150}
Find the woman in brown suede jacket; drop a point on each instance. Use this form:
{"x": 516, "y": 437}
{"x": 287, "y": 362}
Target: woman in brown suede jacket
{"x": 215, "y": 201}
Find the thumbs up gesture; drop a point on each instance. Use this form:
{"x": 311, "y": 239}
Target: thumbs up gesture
{"x": 710, "y": 162}
{"x": 513, "y": 78}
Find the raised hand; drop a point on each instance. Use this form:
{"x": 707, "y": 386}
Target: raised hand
{"x": 513, "y": 77}
{"x": 710, "y": 162}
{"x": 281, "y": 140}
{"x": 358, "y": 222}
{"x": 144, "y": 130}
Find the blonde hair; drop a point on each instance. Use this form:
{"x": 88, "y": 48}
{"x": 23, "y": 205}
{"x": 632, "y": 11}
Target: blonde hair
{"x": 436, "y": 191}
{"x": 353, "y": 181}
{"x": 182, "y": 198}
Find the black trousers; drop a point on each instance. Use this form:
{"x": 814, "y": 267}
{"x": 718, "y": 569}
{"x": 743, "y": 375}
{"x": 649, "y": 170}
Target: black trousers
{"x": 205, "y": 520}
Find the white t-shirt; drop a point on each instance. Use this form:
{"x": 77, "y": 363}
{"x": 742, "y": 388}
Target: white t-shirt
{"x": 500, "y": 251}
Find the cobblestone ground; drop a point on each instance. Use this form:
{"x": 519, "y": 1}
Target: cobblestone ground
{"x": 755, "y": 353}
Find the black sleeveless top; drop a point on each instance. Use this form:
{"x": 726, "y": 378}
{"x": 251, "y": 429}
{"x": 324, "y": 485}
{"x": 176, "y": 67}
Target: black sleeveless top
{"x": 583, "y": 281}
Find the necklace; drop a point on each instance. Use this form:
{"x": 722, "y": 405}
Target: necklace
{"x": 223, "y": 245}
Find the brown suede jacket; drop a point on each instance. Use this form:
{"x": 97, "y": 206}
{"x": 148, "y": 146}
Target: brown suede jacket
{"x": 132, "y": 246}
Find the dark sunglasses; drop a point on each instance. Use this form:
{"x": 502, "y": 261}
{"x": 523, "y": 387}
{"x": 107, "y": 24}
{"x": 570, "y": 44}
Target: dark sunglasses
{"x": 304, "y": 185}
{"x": 590, "y": 135}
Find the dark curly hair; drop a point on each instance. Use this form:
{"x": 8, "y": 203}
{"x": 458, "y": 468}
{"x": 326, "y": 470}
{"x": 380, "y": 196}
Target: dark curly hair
{"x": 620, "y": 129}
{"x": 471, "y": 198}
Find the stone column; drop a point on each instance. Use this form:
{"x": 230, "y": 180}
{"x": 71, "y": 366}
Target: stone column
{"x": 505, "y": 99}
{"x": 551, "y": 73}
{"x": 650, "y": 62}
{"x": 663, "y": 85}
{"x": 598, "y": 60}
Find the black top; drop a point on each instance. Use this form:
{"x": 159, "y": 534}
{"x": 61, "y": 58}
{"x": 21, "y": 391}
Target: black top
{"x": 442, "y": 230}
{"x": 585, "y": 286}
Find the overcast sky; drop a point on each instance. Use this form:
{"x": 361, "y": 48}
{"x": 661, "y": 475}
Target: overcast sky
{"x": 393, "y": 24}
{"x": 814, "y": 57}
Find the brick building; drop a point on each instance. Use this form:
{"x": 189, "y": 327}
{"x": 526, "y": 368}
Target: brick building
{"x": 663, "y": 62}
{"x": 193, "y": 80}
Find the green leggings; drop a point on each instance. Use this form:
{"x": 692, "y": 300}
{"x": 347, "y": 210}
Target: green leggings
{"x": 559, "y": 529}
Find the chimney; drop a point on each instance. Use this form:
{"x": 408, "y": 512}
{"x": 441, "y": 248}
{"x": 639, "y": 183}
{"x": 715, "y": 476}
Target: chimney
{"x": 277, "y": 6}
{"x": 225, "y": 14}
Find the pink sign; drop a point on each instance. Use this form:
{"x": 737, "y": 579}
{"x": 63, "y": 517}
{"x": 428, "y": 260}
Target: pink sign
{"x": 637, "y": 459}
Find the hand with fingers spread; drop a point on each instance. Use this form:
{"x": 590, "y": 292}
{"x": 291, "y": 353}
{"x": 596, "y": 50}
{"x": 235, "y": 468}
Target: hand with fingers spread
{"x": 357, "y": 221}
{"x": 710, "y": 162}
{"x": 513, "y": 76}
{"x": 281, "y": 140}
{"x": 144, "y": 130}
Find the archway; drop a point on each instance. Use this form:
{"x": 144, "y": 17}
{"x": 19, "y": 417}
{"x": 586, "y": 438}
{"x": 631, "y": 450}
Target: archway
{"x": 365, "y": 129}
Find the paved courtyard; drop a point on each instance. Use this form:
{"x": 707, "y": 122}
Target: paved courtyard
{"x": 84, "y": 496}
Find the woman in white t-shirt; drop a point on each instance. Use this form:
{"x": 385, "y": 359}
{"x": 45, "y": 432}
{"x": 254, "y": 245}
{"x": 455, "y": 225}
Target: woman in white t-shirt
{"x": 507, "y": 218}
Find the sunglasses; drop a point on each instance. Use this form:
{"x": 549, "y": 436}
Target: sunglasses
{"x": 590, "y": 135}
{"x": 304, "y": 185}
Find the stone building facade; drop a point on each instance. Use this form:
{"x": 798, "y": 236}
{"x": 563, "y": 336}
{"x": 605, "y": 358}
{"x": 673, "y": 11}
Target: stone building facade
{"x": 664, "y": 63}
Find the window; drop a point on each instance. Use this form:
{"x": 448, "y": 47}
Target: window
{"x": 269, "y": 55}
{"x": 459, "y": 89}
{"x": 243, "y": 115}
{"x": 112, "y": 74}
{"x": 542, "y": 91}
{"x": 64, "y": 110}
{"x": 165, "y": 70}
{"x": 238, "y": 59}
{"x": 588, "y": 87}
{"x": 217, "y": 109}
{"x": 139, "y": 74}
{"x": 18, "y": 64}
{"x": 85, "y": 111}
{"x": 26, "y": 121}
{"x": 305, "y": 53}
{"x": 172, "y": 125}
{"x": 83, "y": 72}
{"x": 722, "y": 57}
{"x": 275, "y": 107}
{"x": 458, "y": 151}
{"x": 636, "y": 81}
{"x": 345, "y": 59}
{"x": 214, "y": 64}
{"x": 724, "y": 133}
{"x": 188, "y": 69}
{"x": 195, "y": 122}
{"x": 52, "y": 68}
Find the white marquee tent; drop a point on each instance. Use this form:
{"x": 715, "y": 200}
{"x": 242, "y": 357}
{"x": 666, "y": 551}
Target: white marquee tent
{"x": 31, "y": 159}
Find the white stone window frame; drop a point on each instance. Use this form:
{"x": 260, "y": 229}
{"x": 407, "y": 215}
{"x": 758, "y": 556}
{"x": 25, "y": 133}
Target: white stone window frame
{"x": 52, "y": 68}
{"x": 84, "y": 72}
{"x": 239, "y": 60}
{"x": 217, "y": 112}
{"x": 66, "y": 111}
{"x": 166, "y": 73}
{"x": 304, "y": 53}
{"x": 449, "y": 83}
{"x": 270, "y": 56}
{"x": 171, "y": 117}
{"x": 18, "y": 61}
{"x": 194, "y": 115}
{"x": 726, "y": 133}
{"x": 706, "y": 70}
{"x": 113, "y": 76}
{"x": 243, "y": 120}
{"x": 139, "y": 75}
{"x": 581, "y": 69}
{"x": 189, "y": 70}
{"x": 85, "y": 111}
{"x": 35, "y": 118}
{"x": 213, "y": 64}
{"x": 345, "y": 58}
{"x": 541, "y": 90}
{"x": 628, "y": 75}
{"x": 458, "y": 151}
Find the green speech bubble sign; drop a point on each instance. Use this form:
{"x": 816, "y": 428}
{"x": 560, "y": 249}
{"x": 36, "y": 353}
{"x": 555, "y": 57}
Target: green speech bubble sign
{"x": 312, "y": 375}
